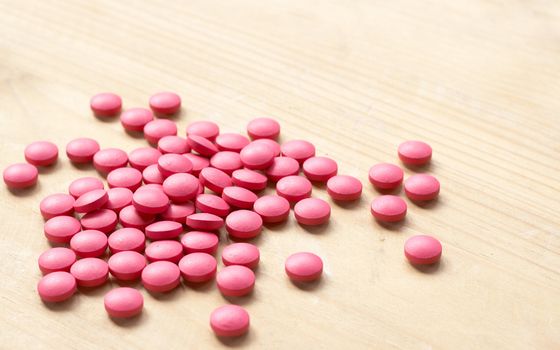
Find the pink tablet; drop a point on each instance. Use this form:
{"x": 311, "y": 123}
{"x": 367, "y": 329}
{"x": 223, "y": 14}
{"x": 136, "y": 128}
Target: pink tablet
{"x": 104, "y": 220}
{"x": 249, "y": 179}
{"x": 125, "y": 177}
{"x": 178, "y": 212}
{"x": 263, "y": 128}
{"x": 256, "y": 156}
{"x": 239, "y": 197}
{"x": 165, "y": 102}
{"x": 165, "y": 250}
{"x": 236, "y": 280}
{"x": 229, "y": 321}
{"x": 244, "y": 254}
{"x": 304, "y": 267}
{"x": 82, "y": 150}
{"x": 344, "y": 188}
{"x": 422, "y": 250}
{"x": 244, "y": 224}
{"x": 204, "y": 222}
{"x": 61, "y": 229}
{"x": 57, "y": 204}
{"x": 165, "y": 229}
{"x": 294, "y": 188}
{"x": 161, "y": 276}
{"x": 109, "y": 159}
{"x": 41, "y": 153}
{"x": 56, "y": 287}
{"x": 231, "y": 142}
{"x": 282, "y": 167}
{"x": 130, "y": 217}
{"x": 215, "y": 180}
{"x": 134, "y": 119}
{"x": 421, "y": 187}
{"x": 388, "y": 208}
{"x": 123, "y": 302}
{"x": 272, "y": 208}
{"x": 89, "y": 243}
{"x": 415, "y": 152}
{"x": 300, "y": 150}
{"x": 20, "y": 175}
{"x": 143, "y": 157}
{"x": 56, "y": 259}
{"x": 118, "y": 198}
{"x": 127, "y": 265}
{"x": 127, "y": 238}
{"x": 105, "y": 104}
{"x": 84, "y": 185}
{"x": 312, "y": 211}
{"x": 226, "y": 161}
{"x": 90, "y": 272}
{"x": 207, "y": 129}
{"x": 198, "y": 267}
{"x": 385, "y": 176}
{"x": 200, "y": 242}
{"x": 212, "y": 204}
{"x": 319, "y": 169}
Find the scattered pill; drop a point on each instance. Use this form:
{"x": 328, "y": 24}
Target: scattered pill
{"x": 57, "y": 204}
{"x": 198, "y": 162}
{"x": 181, "y": 187}
{"x": 90, "y": 201}
{"x": 125, "y": 177}
{"x": 173, "y": 144}
{"x": 127, "y": 265}
{"x": 83, "y": 185}
{"x": 202, "y": 146}
{"x": 82, "y": 150}
{"x": 150, "y": 200}
{"x": 294, "y": 188}
{"x": 105, "y": 104}
{"x": 244, "y": 224}
{"x": 204, "y": 222}
{"x": 161, "y": 276}
{"x": 165, "y": 103}
{"x": 231, "y": 142}
{"x": 198, "y": 267}
{"x": 158, "y": 128}
{"x": 125, "y": 239}
{"x": 256, "y": 156}
{"x": 109, "y": 159}
{"x": 344, "y": 188}
{"x": 89, "y": 243}
{"x": 171, "y": 163}
{"x": 272, "y": 208}
{"x": 56, "y": 259}
{"x": 249, "y": 179}
{"x": 178, "y": 212}
{"x": 312, "y": 211}
{"x": 104, "y": 220}
{"x": 239, "y": 197}
{"x": 215, "y": 180}
{"x": 123, "y": 302}
{"x": 200, "y": 242}
{"x": 226, "y": 161}
{"x": 207, "y": 129}
{"x": 235, "y": 280}
{"x": 263, "y": 128}
{"x": 41, "y": 153}
{"x": 152, "y": 175}
{"x": 118, "y": 198}
{"x": 273, "y": 145}
{"x": 282, "y": 167}
{"x": 134, "y": 119}
{"x": 163, "y": 230}
{"x": 422, "y": 250}
{"x": 385, "y": 176}
{"x": 90, "y": 272}
{"x": 319, "y": 169}
{"x": 60, "y": 229}
{"x": 212, "y": 204}
{"x": 304, "y": 267}
{"x": 143, "y": 157}
{"x": 415, "y": 152}
{"x": 388, "y": 208}
{"x": 56, "y": 287}
{"x": 244, "y": 254}
{"x": 164, "y": 250}
{"x": 300, "y": 150}
{"x": 421, "y": 187}
{"x": 229, "y": 321}
{"x": 130, "y": 217}
{"x": 20, "y": 175}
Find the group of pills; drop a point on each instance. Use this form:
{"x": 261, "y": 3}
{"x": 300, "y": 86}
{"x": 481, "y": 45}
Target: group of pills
{"x": 154, "y": 192}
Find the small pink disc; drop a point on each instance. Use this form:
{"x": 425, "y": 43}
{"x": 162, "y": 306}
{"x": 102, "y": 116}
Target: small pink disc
{"x": 130, "y": 217}
{"x": 60, "y": 229}
{"x": 231, "y": 142}
{"x": 158, "y": 128}
{"x": 212, "y": 204}
{"x": 173, "y": 144}
{"x": 134, "y": 119}
{"x": 202, "y": 146}
{"x": 163, "y": 230}
{"x": 215, "y": 180}
{"x": 161, "y": 276}
{"x": 226, "y": 161}
{"x": 344, "y": 188}
{"x": 304, "y": 267}
{"x": 244, "y": 224}
{"x": 422, "y": 250}
{"x": 256, "y": 156}
{"x": 244, "y": 254}
{"x": 198, "y": 267}
{"x": 300, "y": 150}
{"x": 109, "y": 159}
{"x": 236, "y": 280}
{"x": 204, "y": 222}
{"x": 56, "y": 259}
{"x": 282, "y": 167}
{"x": 249, "y": 179}
{"x": 178, "y": 212}
{"x": 239, "y": 197}
{"x": 84, "y": 185}
{"x": 294, "y": 188}
{"x": 125, "y": 177}
{"x": 200, "y": 242}
{"x": 388, "y": 208}
{"x": 415, "y": 152}
{"x": 319, "y": 169}
{"x": 207, "y": 129}
{"x": 89, "y": 243}
{"x": 181, "y": 187}
{"x": 90, "y": 201}
{"x": 165, "y": 250}
{"x": 82, "y": 150}
{"x": 105, "y": 104}
{"x": 165, "y": 103}
{"x": 312, "y": 211}
{"x": 263, "y": 128}
{"x": 123, "y": 302}
{"x": 229, "y": 321}
{"x": 198, "y": 162}
{"x": 41, "y": 153}
{"x": 421, "y": 187}
{"x": 385, "y": 176}
{"x": 127, "y": 265}
{"x": 127, "y": 238}
{"x": 57, "y": 204}
{"x": 118, "y": 198}
{"x": 56, "y": 287}
{"x": 142, "y": 157}
{"x": 150, "y": 200}
{"x": 273, "y": 145}
{"x": 104, "y": 220}
{"x": 20, "y": 175}
{"x": 152, "y": 175}
{"x": 272, "y": 208}
{"x": 90, "y": 272}
{"x": 171, "y": 163}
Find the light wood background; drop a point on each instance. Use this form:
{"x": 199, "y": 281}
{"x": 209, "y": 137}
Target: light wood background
{"x": 478, "y": 80}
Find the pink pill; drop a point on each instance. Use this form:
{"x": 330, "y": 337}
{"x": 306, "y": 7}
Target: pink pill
{"x": 109, "y": 159}
{"x": 41, "y": 153}
{"x": 226, "y": 161}
{"x": 57, "y": 204}
{"x": 231, "y": 142}
{"x": 173, "y": 144}
{"x": 127, "y": 238}
{"x": 263, "y": 128}
{"x": 165, "y": 103}
{"x": 89, "y": 243}
{"x": 104, "y": 220}
{"x": 204, "y": 222}
{"x": 208, "y": 130}
{"x": 56, "y": 259}
{"x": 304, "y": 267}
{"x": 20, "y": 175}
{"x": 421, "y": 187}
{"x": 273, "y": 145}
{"x": 300, "y": 150}
{"x": 244, "y": 254}
{"x": 344, "y": 188}
{"x": 202, "y": 146}
{"x": 312, "y": 211}
{"x": 90, "y": 201}
{"x": 229, "y": 321}
{"x": 165, "y": 250}
{"x": 257, "y": 156}
{"x": 152, "y": 175}
{"x": 181, "y": 187}
{"x": 105, "y": 104}
{"x": 82, "y": 150}
{"x": 123, "y": 302}
{"x": 198, "y": 267}
{"x": 294, "y": 188}
{"x": 130, "y": 217}
{"x": 56, "y": 287}
{"x": 83, "y": 185}
{"x": 319, "y": 169}
{"x": 415, "y": 152}
{"x": 127, "y": 265}
{"x": 249, "y": 179}
{"x": 134, "y": 119}
{"x": 178, "y": 212}
{"x": 244, "y": 224}
{"x": 90, "y": 272}
{"x": 215, "y": 180}
{"x": 142, "y": 157}
{"x": 198, "y": 162}
{"x": 163, "y": 230}
{"x": 156, "y": 129}
{"x": 171, "y": 163}
{"x": 282, "y": 167}
{"x": 60, "y": 229}
{"x": 385, "y": 176}
{"x": 235, "y": 280}
{"x": 125, "y": 177}
{"x": 161, "y": 276}
{"x": 200, "y": 242}
{"x": 212, "y": 204}
{"x": 118, "y": 198}
{"x": 150, "y": 200}
{"x": 388, "y": 208}
{"x": 239, "y": 197}
{"x": 422, "y": 250}
{"x": 272, "y": 208}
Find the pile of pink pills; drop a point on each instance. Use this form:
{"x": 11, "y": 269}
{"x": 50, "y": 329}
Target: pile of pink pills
{"x": 158, "y": 216}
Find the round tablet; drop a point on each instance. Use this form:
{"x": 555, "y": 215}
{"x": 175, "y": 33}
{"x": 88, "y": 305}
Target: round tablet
{"x": 239, "y": 197}
{"x": 198, "y": 162}
{"x": 105, "y": 104}
{"x": 304, "y": 267}
{"x": 125, "y": 177}
{"x": 229, "y": 321}
{"x": 89, "y": 243}
{"x": 207, "y": 129}
{"x": 415, "y": 152}
{"x": 178, "y": 212}
{"x": 244, "y": 224}
{"x": 90, "y": 272}
{"x": 20, "y": 175}
{"x": 212, "y": 204}
{"x": 272, "y": 208}
{"x": 181, "y": 187}
{"x": 273, "y": 145}
{"x": 300, "y": 150}
{"x": 104, "y": 220}
{"x": 282, "y": 167}
{"x": 142, "y": 157}
{"x": 204, "y": 222}
{"x": 125, "y": 239}
{"x": 231, "y": 142}
{"x": 263, "y": 128}
{"x": 165, "y": 103}
{"x": 256, "y": 156}
{"x": 215, "y": 180}
{"x": 134, "y": 119}
{"x": 152, "y": 175}
{"x": 90, "y": 201}
{"x": 127, "y": 265}
{"x": 82, "y": 150}
{"x": 57, "y": 204}
{"x": 56, "y": 259}
{"x": 344, "y": 188}
{"x": 173, "y": 144}
{"x": 200, "y": 242}
{"x": 165, "y": 250}
{"x": 244, "y": 254}
{"x": 249, "y": 179}
{"x": 319, "y": 169}
{"x": 385, "y": 176}
{"x": 312, "y": 211}
{"x": 130, "y": 217}
{"x": 388, "y": 208}
{"x": 123, "y": 302}
{"x": 421, "y": 187}
{"x": 163, "y": 230}
{"x": 294, "y": 188}
{"x": 56, "y": 287}
{"x": 171, "y": 163}
{"x": 422, "y": 250}
{"x": 41, "y": 153}
{"x": 202, "y": 146}
{"x": 198, "y": 267}
{"x": 60, "y": 229}
{"x": 150, "y": 200}
{"x": 161, "y": 276}
{"x": 118, "y": 198}
{"x": 158, "y": 128}
{"x": 226, "y": 161}
{"x": 84, "y": 185}
{"x": 109, "y": 159}
{"x": 235, "y": 280}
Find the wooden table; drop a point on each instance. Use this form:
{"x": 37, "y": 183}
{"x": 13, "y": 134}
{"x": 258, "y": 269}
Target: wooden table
{"x": 478, "y": 80}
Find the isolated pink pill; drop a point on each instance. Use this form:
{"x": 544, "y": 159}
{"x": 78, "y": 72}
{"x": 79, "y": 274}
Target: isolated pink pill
{"x": 344, "y": 188}
{"x": 105, "y": 104}
{"x": 89, "y": 243}
{"x": 215, "y": 180}
{"x": 164, "y": 250}
{"x": 294, "y": 188}
{"x": 60, "y": 229}
{"x": 319, "y": 169}
{"x": 273, "y": 145}
{"x": 20, "y": 175}
{"x": 83, "y": 185}
{"x": 239, "y": 197}
{"x": 161, "y": 276}
{"x": 56, "y": 287}
{"x": 244, "y": 254}
{"x": 422, "y": 250}
{"x": 198, "y": 162}
{"x": 156, "y": 129}
{"x": 173, "y": 144}
{"x": 57, "y": 204}
{"x": 200, "y": 242}
{"x": 171, "y": 163}
{"x": 256, "y": 156}
{"x": 421, "y": 187}
{"x": 104, "y": 220}
{"x": 41, "y": 153}
{"x": 123, "y": 302}
{"x": 300, "y": 150}
{"x": 198, "y": 267}
{"x": 150, "y": 200}
{"x": 229, "y": 321}
{"x": 282, "y": 167}
{"x": 235, "y": 280}
{"x": 130, "y": 217}
{"x": 388, "y": 208}
{"x": 304, "y": 267}
{"x": 231, "y": 142}
{"x": 244, "y": 224}
{"x": 212, "y": 204}
{"x": 125, "y": 177}
{"x": 109, "y": 159}
{"x": 56, "y": 259}
{"x": 178, "y": 212}
{"x": 415, "y": 152}
{"x": 90, "y": 201}
{"x": 82, "y": 150}
{"x": 226, "y": 161}
{"x": 118, "y": 198}
{"x": 202, "y": 146}
{"x": 207, "y": 129}
{"x": 272, "y": 208}
{"x": 134, "y": 119}
{"x": 249, "y": 179}
{"x": 127, "y": 265}
{"x": 165, "y": 103}
{"x": 312, "y": 211}
{"x": 204, "y": 222}
{"x": 263, "y": 128}
{"x": 127, "y": 238}
{"x": 90, "y": 272}
{"x": 385, "y": 176}
{"x": 163, "y": 230}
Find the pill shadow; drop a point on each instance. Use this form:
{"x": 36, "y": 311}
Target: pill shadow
{"x": 172, "y": 295}
{"x": 254, "y": 240}
{"x": 316, "y": 230}
{"x": 25, "y": 192}
{"x": 107, "y": 120}
{"x": 276, "y": 226}
{"x": 421, "y": 168}
{"x": 95, "y": 291}
{"x": 130, "y": 322}
{"x": 234, "y": 342}
{"x": 135, "y": 134}
{"x": 431, "y": 269}
{"x": 201, "y": 286}
{"x": 394, "y": 191}
{"x": 66, "y": 305}
{"x": 130, "y": 284}
{"x": 175, "y": 116}
{"x": 242, "y": 300}
{"x": 45, "y": 170}
{"x": 391, "y": 226}
{"x": 431, "y": 204}
{"x": 308, "y": 286}
{"x": 82, "y": 166}
{"x": 349, "y": 204}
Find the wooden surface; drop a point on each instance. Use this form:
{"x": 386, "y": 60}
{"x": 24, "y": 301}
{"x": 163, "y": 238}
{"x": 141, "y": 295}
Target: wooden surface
{"x": 478, "y": 80}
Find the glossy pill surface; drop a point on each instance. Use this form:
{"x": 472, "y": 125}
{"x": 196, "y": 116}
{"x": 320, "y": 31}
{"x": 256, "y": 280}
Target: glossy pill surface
{"x": 89, "y": 243}
{"x": 198, "y": 267}
{"x": 282, "y": 167}
{"x": 90, "y": 201}
{"x": 421, "y": 187}
{"x": 134, "y": 119}
{"x": 294, "y": 188}
{"x": 84, "y": 185}
{"x": 105, "y": 104}
{"x": 150, "y": 200}
{"x": 20, "y": 175}
{"x": 385, "y": 176}
{"x": 90, "y": 272}
{"x": 256, "y": 156}
{"x": 215, "y": 180}
{"x": 82, "y": 150}
{"x": 156, "y": 129}
{"x": 300, "y": 150}
{"x": 272, "y": 208}
{"x": 165, "y": 250}
{"x": 123, "y": 302}
{"x": 109, "y": 159}
{"x": 173, "y": 144}
{"x": 422, "y": 250}
{"x": 388, "y": 208}
{"x": 57, "y": 204}
{"x": 249, "y": 179}
{"x": 142, "y": 157}
{"x": 198, "y": 162}
{"x": 244, "y": 224}
{"x": 178, "y": 212}
{"x": 41, "y": 153}
{"x": 126, "y": 265}
{"x": 130, "y": 217}
{"x": 200, "y": 242}
{"x": 165, "y": 102}
{"x": 235, "y": 280}
{"x": 161, "y": 276}
{"x": 304, "y": 267}
{"x": 127, "y": 238}
{"x": 202, "y": 146}
{"x": 239, "y": 197}
{"x": 231, "y": 142}
{"x": 60, "y": 229}
{"x": 229, "y": 321}
{"x": 244, "y": 254}
{"x": 56, "y": 287}
{"x": 164, "y": 229}
{"x": 207, "y": 129}
{"x": 152, "y": 175}
{"x": 226, "y": 161}
{"x": 56, "y": 259}
{"x": 263, "y": 128}
{"x": 104, "y": 220}
{"x": 204, "y": 222}
{"x": 273, "y": 145}
{"x": 118, "y": 198}
{"x": 171, "y": 163}
{"x": 344, "y": 188}
{"x": 212, "y": 204}
{"x": 312, "y": 211}
{"x": 319, "y": 169}
{"x": 415, "y": 152}
{"x": 125, "y": 177}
